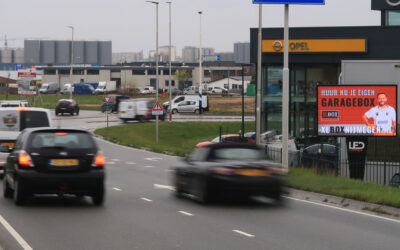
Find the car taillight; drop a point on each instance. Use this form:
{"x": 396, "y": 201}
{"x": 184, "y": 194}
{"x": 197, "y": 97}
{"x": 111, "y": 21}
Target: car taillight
{"x": 224, "y": 171}
{"x": 70, "y": 105}
{"x": 278, "y": 171}
{"x": 57, "y": 105}
{"x": 99, "y": 161}
{"x": 25, "y": 160}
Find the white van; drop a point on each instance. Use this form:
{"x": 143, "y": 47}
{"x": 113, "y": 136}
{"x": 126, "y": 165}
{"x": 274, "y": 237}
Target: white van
{"x": 132, "y": 109}
{"x": 13, "y": 121}
{"x": 180, "y": 98}
{"x": 13, "y": 103}
{"x": 49, "y": 88}
{"x": 191, "y": 90}
{"x": 147, "y": 90}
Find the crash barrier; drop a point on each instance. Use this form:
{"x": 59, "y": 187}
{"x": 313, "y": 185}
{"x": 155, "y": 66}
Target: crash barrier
{"x": 378, "y": 172}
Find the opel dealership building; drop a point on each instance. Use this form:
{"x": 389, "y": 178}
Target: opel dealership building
{"x": 316, "y": 57}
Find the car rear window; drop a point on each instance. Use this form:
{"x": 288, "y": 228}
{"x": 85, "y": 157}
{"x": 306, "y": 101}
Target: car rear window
{"x": 65, "y": 140}
{"x": 34, "y": 119}
{"x": 245, "y": 154}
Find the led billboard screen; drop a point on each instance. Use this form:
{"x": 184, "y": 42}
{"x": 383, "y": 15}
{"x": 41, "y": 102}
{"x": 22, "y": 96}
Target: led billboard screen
{"x": 357, "y": 110}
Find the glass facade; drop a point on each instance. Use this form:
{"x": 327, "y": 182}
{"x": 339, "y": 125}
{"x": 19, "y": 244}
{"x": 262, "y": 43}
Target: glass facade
{"x": 393, "y": 18}
{"x": 303, "y": 96}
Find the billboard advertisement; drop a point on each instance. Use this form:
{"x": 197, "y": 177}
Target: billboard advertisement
{"x": 357, "y": 110}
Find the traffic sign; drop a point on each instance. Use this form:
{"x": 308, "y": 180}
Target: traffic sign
{"x": 107, "y": 99}
{"x": 157, "y": 109}
{"x": 320, "y": 2}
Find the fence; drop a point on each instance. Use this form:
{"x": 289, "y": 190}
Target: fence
{"x": 379, "y": 172}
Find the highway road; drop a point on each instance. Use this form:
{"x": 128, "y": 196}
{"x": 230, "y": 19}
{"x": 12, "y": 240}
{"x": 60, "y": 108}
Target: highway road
{"x": 141, "y": 213}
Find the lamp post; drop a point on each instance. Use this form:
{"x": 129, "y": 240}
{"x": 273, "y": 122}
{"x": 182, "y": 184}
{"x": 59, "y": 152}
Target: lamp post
{"x": 156, "y": 57}
{"x": 243, "y": 66}
{"x": 200, "y": 68}
{"x": 170, "y": 66}
{"x": 259, "y": 68}
{"x": 72, "y": 60}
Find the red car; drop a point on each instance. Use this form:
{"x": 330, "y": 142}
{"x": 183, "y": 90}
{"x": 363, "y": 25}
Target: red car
{"x": 227, "y": 138}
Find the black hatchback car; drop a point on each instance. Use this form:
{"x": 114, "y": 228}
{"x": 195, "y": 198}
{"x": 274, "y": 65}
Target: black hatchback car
{"x": 67, "y": 106}
{"x": 54, "y": 161}
{"x": 229, "y": 170}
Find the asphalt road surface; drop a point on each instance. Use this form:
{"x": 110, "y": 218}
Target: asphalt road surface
{"x": 140, "y": 212}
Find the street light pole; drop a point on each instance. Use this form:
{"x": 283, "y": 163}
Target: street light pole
{"x": 156, "y": 56}
{"x": 285, "y": 93}
{"x": 72, "y": 60}
{"x": 170, "y": 66}
{"x": 259, "y": 68}
{"x": 200, "y": 67}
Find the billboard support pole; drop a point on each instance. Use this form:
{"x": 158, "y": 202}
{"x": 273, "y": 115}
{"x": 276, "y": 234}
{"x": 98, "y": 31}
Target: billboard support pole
{"x": 285, "y": 92}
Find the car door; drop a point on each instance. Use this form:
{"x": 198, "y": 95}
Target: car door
{"x": 182, "y": 107}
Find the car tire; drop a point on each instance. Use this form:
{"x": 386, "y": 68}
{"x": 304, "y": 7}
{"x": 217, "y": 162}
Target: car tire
{"x": 56, "y": 113}
{"x": 203, "y": 194}
{"x": 77, "y": 112}
{"x": 72, "y": 113}
{"x": 178, "y": 192}
{"x": 174, "y": 111}
{"x": 98, "y": 197}
{"x": 7, "y": 191}
{"x": 19, "y": 195}
{"x": 196, "y": 111}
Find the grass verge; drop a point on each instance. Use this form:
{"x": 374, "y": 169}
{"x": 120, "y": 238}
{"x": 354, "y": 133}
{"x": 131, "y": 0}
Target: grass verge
{"x": 308, "y": 180}
{"x": 175, "y": 138}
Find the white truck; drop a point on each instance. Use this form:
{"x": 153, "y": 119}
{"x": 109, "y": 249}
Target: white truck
{"x": 49, "y": 88}
{"x": 106, "y": 87}
{"x": 133, "y": 109}
{"x": 180, "y": 98}
{"x": 66, "y": 90}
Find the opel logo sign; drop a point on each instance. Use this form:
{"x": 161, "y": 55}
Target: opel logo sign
{"x": 277, "y": 46}
{"x": 393, "y": 3}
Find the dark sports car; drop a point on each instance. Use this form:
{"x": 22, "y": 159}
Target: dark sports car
{"x": 229, "y": 170}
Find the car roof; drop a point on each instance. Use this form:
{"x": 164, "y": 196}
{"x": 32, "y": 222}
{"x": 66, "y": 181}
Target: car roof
{"x": 25, "y": 109}
{"x": 232, "y": 145}
{"x": 66, "y": 100}
{"x": 46, "y": 129}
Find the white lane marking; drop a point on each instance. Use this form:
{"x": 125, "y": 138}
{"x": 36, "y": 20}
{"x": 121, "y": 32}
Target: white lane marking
{"x": 243, "y": 233}
{"x": 343, "y": 209}
{"x": 110, "y": 163}
{"x": 153, "y": 159}
{"x": 130, "y": 163}
{"x": 135, "y": 149}
{"x": 145, "y": 199}
{"x": 164, "y": 187}
{"x": 185, "y": 213}
{"x": 117, "y": 189}
{"x": 14, "y": 233}
{"x": 148, "y": 166}
{"x": 115, "y": 159}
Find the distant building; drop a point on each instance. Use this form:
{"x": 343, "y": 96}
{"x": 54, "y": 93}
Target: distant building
{"x": 52, "y": 52}
{"x": 191, "y": 54}
{"x": 127, "y": 57}
{"x": 10, "y": 57}
{"x": 241, "y": 52}
{"x": 226, "y": 56}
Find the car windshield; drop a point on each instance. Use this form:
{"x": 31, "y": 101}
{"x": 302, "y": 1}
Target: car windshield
{"x": 65, "y": 140}
{"x": 216, "y": 140}
{"x": 244, "y": 154}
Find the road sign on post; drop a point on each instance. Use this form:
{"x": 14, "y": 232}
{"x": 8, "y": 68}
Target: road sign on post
{"x": 157, "y": 109}
{"x": 107, "y": 99}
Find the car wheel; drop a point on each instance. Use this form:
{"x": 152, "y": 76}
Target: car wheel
{"x": 19, "y": 196}
{"x": 203, "y": 194}
{"x": 72, "y": 113}
{"x": 7, "y": 191}
{"x": 98, "y": 197}
{"x": 77, "y": 112}
{"x": 174, "y": 111}
{"x": 196, "y": 111}
{"x": 178, "y": 189}
{"x": 56, "y": 113}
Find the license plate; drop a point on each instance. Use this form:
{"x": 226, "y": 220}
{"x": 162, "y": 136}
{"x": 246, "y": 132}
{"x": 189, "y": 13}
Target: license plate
{"x": 253, "y": 172}
{"x": 7, "y": 144}
{"x": 64, "y": 162}
{"x": 123, "y": 112}
{"x": 63, "y": 108}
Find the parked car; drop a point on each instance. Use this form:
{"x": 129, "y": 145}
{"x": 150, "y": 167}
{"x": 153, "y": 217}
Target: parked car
{"x": 395, "y": 181}
{"x": 186, "y": 106}
{"x": 180, "y": 98}
{"x": 147, "y": 90}
{"x": 112, "y": 106}
{"x": 217, "y": 90}
{"x": 191, "y": 90}
{"x": 227, "y": 138}
{"x": 54, "y": 161}
{"x": 49, "y": 88}
{"x": 320, "y": 155}
{"x": 13, "y": 103}
{"x": 13, "y": 121}
{"x": 228, "y": 169}
{"x": 67, "y": 106}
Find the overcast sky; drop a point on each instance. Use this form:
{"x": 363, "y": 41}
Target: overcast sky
{"x": 130, "y": 24}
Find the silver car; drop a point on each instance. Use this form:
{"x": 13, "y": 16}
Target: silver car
{"x": 186, "y": 106}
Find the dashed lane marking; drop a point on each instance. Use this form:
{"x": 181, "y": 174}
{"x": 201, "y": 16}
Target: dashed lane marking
{"x": 131, "y": 163}
{"x": 185, "y": 213}
{"x": 243, "y": 233}
{"x": 148, "y": 166}
{"x": 145, "y": 199}
{"x": 110, "y": 163}
{"x": 117, "y": 189}
{"x": 115, "y": 159}
{"x": 153, "y": 159}
{"x": 159, "y": 186}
